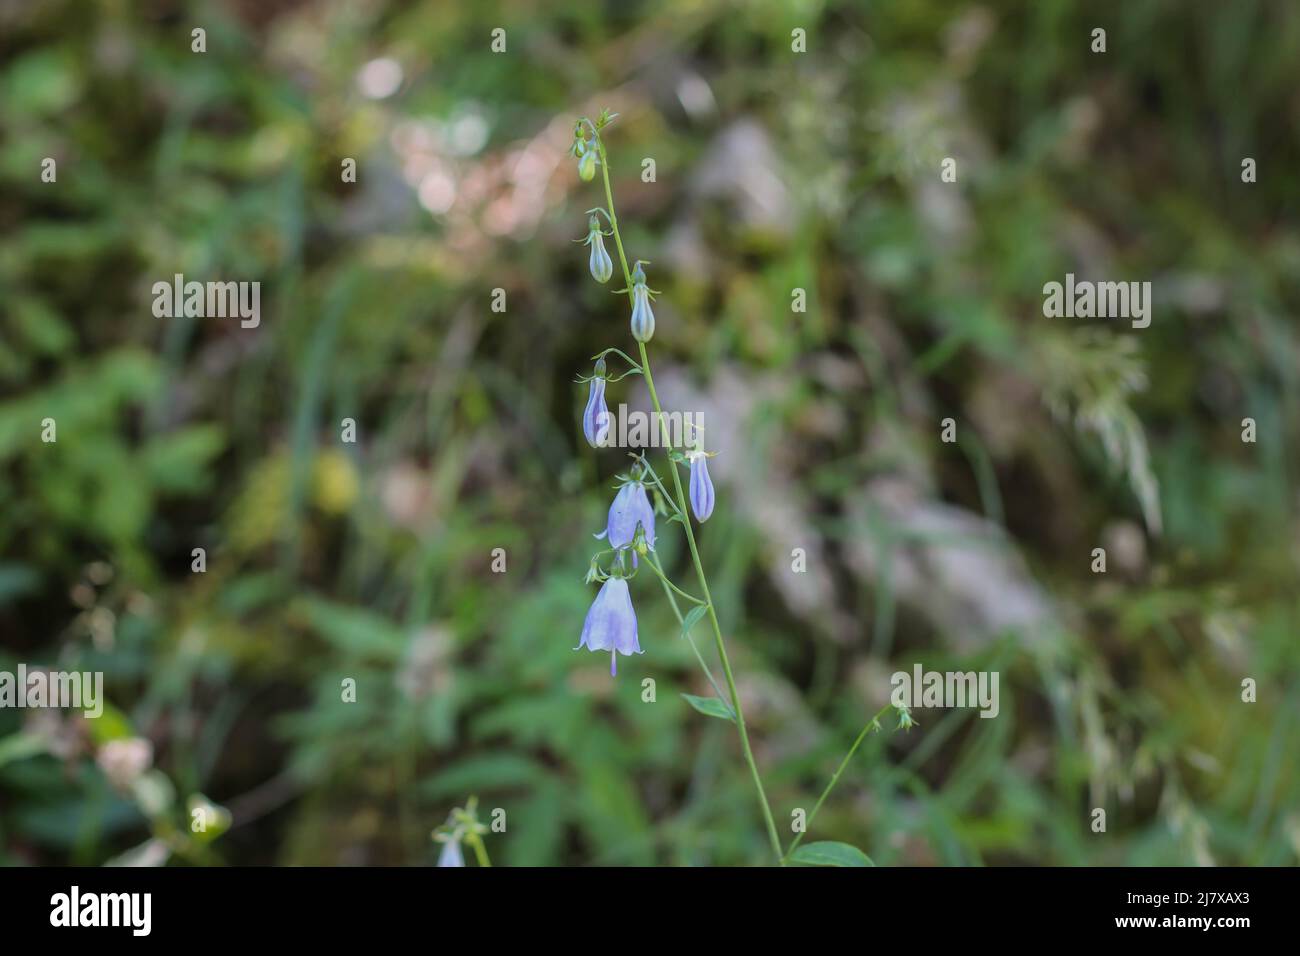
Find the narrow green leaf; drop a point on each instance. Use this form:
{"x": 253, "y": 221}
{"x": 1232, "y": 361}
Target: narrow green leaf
{"x": 711, "y": 706}
{"x": 830, "y": 853}
{"x": 693, "y": 618}
{"x": 356, "y": 631}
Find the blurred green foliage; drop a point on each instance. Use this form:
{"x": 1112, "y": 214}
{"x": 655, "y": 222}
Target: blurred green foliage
{"x": 775, "y": 170}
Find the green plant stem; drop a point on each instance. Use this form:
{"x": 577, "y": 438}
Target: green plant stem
{"x": 873, "y": 722}
{"x": 660, "y": 485}
{"x": 663, "y": 577}
{"x": 677, "y": 612}
{"x": 480, "y": 851}
{"x": 690, "y": 536}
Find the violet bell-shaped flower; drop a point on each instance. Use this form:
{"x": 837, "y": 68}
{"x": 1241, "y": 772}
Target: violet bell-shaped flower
{"x": 643, "y": 317}
{"x": 451, "y": 854}
{"x": 611, "y": 623}
{"x": 600, "y": 264}
{"x": 701, "y": 486}
{"x": 631, "y": 507}
{"x": 595, "y": 418}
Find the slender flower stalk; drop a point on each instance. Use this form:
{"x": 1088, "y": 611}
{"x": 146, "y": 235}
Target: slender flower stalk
{"x": 611, "y": 623}
{"x": 872, "y": 724}
{"x": 669, "y": 587}
{"x": 643, "y": 329}
{"x": 475, "y": 842}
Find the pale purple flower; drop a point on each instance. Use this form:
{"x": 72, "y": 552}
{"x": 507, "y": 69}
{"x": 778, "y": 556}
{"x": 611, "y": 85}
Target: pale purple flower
{"x": 631, "y": 507}
{"x": 643, "y": 317}
{"x": 701, "y": 487}
{"x": 451, "y": 855}
{"x": 611, "y": 623}
{"x": 600, "y": 264}
{"x": 595, "y": 419}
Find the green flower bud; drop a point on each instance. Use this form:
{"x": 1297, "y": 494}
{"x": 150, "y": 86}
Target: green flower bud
{"x": 587, "y": 165}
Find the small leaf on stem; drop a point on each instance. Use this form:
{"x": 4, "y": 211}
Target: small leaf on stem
{"x": 712, "y": 707}
{"x": 693, "y": 618}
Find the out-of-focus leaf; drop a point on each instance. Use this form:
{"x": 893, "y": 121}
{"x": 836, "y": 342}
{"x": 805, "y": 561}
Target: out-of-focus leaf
{"x": 16, "y": 580}
{"x": 112, "y": 724}
{"x": 357, "y": 631}
{"x": 486, "y": 773}
{"x": 830, "y": 853}
{"x": 20, "y": 746}
{"x": 181, "y": 461}
{"x": 148, "y": 853}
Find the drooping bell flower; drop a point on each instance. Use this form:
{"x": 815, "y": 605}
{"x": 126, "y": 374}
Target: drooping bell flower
{"x": 599, "y": 262}
{"x": 595, "y": 418}
{"x": 611, "y": 623}
{"x": 631, "y": 507}
{"x": 587, "y": 163}
{"x": 451, "y": 854}
{"x": 643, "y": 317}
{"x": 701, "y": 486}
